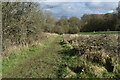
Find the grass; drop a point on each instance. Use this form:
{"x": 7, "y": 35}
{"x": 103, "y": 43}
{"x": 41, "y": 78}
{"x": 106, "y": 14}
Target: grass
{"x": 74, "y": 66}
{"x": 101, "y": 32}
{"x": 0, "y": 68}
{"x": 52, "y": 60}
{"x": 40, "y": 61}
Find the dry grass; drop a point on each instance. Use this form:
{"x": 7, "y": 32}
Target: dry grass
{"x": 100, "y": 49}
{"x": 14, "y": 50}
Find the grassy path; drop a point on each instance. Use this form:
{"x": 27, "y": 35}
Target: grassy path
{"x": 44, "y": 64}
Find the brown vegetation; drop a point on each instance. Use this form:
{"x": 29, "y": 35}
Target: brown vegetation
{"x": 98, "y": 48}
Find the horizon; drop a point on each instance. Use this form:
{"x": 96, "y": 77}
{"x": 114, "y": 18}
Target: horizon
{"x": 78, "y": 9}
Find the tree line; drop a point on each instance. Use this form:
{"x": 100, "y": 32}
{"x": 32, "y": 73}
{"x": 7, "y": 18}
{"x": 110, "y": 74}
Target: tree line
{"x": 23, "y": 22}
{"x": 88, "y": 23}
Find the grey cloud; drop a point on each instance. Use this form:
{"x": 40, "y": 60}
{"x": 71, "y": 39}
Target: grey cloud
{"x": 77, "y": 9}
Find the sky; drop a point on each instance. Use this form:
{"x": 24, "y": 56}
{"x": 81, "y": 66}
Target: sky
{"x": 59, "y": 0}
{"x": 78, "y": 9}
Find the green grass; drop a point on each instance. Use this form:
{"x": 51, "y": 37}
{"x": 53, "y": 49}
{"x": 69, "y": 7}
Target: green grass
{"x": 41, "y": 58}
{"x": 51, "y": 60}
{"x": 101, "y": 32}
{"x": 0, "y": 69}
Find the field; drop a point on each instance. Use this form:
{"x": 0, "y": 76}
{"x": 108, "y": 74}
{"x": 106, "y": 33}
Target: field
{"x": 43, "y": 40}
{"x": 101, "y": 32}
{"x": 66, "y": 56}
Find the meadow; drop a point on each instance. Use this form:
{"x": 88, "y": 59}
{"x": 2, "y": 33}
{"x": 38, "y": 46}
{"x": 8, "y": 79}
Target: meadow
{"x": 87, "y": 56}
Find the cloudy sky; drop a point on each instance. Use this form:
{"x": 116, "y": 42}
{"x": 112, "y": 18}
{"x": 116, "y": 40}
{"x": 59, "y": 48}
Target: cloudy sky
{"x": 77, "y": 9}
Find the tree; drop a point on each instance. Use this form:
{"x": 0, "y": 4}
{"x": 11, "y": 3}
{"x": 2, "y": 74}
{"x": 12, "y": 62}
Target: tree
{"x": 63, "y": 25}
{"x": 118, "y": 9}
{"x": 99, "y": 22}
{"x": 117, "y": 27}
{"x": 63, "y": 18}
{"x": 21, "y": 24}
{"x": 50, "y": 24}
{"x": 74, "y": 25}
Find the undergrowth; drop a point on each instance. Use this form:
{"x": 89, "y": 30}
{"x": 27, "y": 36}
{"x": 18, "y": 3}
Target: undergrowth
{"x": 74, "y": 66}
